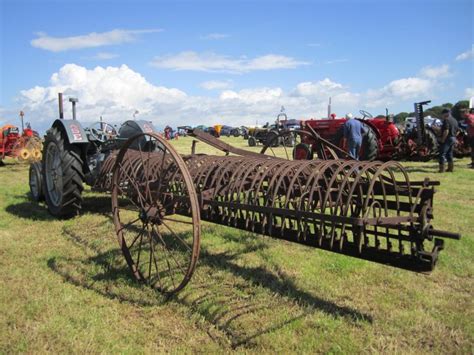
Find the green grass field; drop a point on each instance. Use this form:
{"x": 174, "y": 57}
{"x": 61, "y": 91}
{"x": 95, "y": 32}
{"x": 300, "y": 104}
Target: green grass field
{"x": 64, "y": 286}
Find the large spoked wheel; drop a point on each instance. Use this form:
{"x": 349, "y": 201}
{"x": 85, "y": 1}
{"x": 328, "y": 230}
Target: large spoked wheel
{"x": 156, "y": 213}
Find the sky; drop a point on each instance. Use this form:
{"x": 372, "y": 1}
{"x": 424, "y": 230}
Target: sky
{"x": 230, "y": 62}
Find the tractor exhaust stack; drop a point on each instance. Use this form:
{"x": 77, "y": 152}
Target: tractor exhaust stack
{"x": 60, "y": 103}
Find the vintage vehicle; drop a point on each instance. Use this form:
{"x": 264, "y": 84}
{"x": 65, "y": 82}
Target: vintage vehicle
{"x": 73, "y": 155}
{"x": 382, "y": 139}
{"x": 331, "y": 129}
{"x": 24, "y": 146}
{"x": 275, "y": 134}
{"x": 159, "y": 198}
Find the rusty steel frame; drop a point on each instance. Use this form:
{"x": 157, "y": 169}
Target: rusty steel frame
{"x": 368, "y": 210}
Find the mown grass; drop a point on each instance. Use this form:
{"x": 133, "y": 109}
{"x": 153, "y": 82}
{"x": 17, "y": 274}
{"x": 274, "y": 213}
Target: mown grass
{"x": 65, "y": 286}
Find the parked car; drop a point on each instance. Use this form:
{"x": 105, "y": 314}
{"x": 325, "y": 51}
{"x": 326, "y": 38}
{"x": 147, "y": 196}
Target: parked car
{"x": 230, "y": 131}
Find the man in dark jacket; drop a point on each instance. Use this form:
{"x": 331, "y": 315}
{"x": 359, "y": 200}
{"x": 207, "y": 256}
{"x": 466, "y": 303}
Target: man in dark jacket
{"x": 449, "y": 130}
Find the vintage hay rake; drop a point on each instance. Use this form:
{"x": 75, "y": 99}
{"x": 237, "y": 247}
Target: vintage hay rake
{"x": 368, "y": 210}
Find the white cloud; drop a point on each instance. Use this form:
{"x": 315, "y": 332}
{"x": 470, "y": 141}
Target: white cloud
{"x": 412, "y": 89}
{"x": 466, "y": 55}
{"x": 91, "y": 40}
{"x": 216, "y": 85}
{"x": 253, "y": 96}
{"x": 431, "y": 72}
{"x": 214, "y": 36}
{"x": 112, "y": 92}
{"x": 116, "y": 92}
{"x": 408, "y": 87}
{"x": 212, "y": 62}
{"x": 323, "y": 87}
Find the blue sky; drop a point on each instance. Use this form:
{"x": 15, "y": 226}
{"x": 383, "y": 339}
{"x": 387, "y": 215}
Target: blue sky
{"x": 232, "y": 61}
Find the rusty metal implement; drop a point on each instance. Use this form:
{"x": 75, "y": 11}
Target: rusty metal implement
{"x": 368, "y": 210}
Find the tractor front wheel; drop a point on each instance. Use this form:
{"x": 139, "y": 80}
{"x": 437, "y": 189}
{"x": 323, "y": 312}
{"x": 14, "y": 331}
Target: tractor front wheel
{"x": 62, "y": 175}
{"x": 36, "y": 182}
{"x": 252, "y": 141}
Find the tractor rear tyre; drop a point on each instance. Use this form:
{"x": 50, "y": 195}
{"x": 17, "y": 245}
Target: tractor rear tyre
{"x": 252, "y": 141}
{"x": 36, "y": 182}
{"x": 62, "y": 175}
{"x": 369, "y": 149}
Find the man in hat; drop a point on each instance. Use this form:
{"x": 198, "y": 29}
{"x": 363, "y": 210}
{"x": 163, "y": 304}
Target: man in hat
{"x": 353, "y": 132}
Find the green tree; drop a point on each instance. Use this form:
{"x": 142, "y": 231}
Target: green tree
{"x": 400, "y": 117}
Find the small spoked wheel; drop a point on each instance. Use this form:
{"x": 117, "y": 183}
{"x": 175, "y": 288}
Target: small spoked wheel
{"x": 156, "y": 213}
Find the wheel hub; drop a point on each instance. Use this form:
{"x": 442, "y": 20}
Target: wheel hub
{"x": 152, "y": 214}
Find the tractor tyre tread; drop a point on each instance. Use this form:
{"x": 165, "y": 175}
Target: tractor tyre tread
{"x": 72, "y": 176}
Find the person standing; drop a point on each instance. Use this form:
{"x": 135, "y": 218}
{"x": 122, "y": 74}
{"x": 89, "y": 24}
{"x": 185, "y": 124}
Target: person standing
{"x": 353, "y": 132}
{"x": 469, "y": 121}
{"x": 449, "y": 130}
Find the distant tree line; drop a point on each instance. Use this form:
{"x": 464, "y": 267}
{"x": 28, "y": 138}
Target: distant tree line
{"x": 435, "y": 111}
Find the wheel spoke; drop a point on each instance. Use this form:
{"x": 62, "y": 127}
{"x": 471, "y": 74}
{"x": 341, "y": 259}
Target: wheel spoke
{"x": 176, "y": 220}
{"x": 167, "y": 249}
{"x": 135, "y": 239}
{"x": 156, "y": 265}
{"x": 129, "y": 224}
{"x": 176, "y": 236}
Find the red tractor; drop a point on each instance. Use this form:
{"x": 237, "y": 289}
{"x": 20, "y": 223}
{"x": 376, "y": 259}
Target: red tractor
{"x": 380, "y": 139}
{"x": 25, "y": 146}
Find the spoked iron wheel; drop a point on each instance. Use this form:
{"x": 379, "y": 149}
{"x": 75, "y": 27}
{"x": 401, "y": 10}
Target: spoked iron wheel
{"x": 156, "y": 213}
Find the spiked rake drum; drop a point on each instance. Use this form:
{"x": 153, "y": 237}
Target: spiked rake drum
{"x": 369, "y": 210}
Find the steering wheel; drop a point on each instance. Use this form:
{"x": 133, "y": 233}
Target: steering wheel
{"x": 365, "y": 114}
{"x": 103, "y": 132}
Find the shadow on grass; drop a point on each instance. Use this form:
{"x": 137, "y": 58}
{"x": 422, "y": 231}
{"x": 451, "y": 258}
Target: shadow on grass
{"x": 428, "y": 169}
{"x": 229, "y": 296}
{"x": 12, "y": 165}
{"x": 29, "y": 210}
{"x": 97, "y": 204}
{"x": 37, "y": 211}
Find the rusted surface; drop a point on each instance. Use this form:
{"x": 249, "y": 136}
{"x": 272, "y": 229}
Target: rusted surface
{"x": 147, "y": 186}
{"x": 368, "y": 210}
